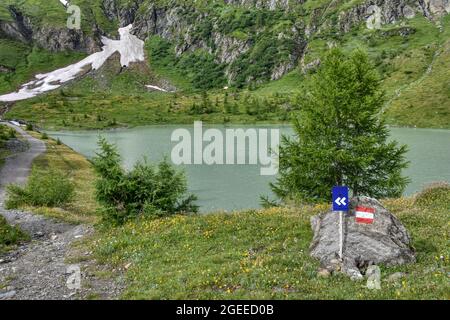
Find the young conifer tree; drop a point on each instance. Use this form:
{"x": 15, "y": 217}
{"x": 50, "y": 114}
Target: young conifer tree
{"x": 340, "y": 137}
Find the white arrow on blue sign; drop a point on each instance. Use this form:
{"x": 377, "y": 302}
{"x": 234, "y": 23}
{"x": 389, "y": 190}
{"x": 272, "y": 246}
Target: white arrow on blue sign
{"x": 340, "y": 198}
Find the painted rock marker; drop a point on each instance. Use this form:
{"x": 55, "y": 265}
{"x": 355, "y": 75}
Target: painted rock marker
{"x": 384, "y": 242}
{"x": 364, "y": 215}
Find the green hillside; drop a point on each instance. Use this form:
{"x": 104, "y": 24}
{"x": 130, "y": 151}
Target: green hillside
{"x": 213, "y": 45}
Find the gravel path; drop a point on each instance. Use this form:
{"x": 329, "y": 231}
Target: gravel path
{"x": 17, "y": 168}
{"x": 39, "y": 269}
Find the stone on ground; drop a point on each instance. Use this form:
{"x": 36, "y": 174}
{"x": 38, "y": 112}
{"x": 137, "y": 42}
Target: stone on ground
{"x": 386, "y": 241}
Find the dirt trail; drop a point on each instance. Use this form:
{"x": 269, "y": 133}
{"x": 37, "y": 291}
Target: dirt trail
{"x": 39, "y": 269}
{"x": 17, "y": 167}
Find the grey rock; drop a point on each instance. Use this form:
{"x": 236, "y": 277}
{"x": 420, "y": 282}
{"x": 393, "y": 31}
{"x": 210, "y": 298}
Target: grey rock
{"x": 229, "y": 48}
{"x": 392, "y": 11}
{"x": 386, "y": 241}
{"x": 435, "y": 7}
{"x": 351, "y": 269}
{"x": 55, "y": 39}
{"x": 19, "y": 28}
{"x": 324, "y": 273}
{"x": 373, "y": 275}
{"x": 283, "y": 68}
{"x": 403, "y": 31}
{"x": 109, "y": 8}
{"x": 396, "y": 277}
{"x": 22, "y": 28}
{"x": 311, "y": 67}
{"x": 266, "y": 4}
{"x": 4, "y": 69}
{"x": 174, "y": 23}
{"x": 409, "y": 12}
{"x": 7, "y": 295}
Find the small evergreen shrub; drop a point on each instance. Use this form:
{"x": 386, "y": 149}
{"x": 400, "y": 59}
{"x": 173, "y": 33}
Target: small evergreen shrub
{"x": 11, "y": 133}
{"x": 340, "y": 138}
{"x": 6, "y": 133}
{"x": 50, "y": 189}
{"x": 9, "y": 235}
{"x": 146, "y": 190}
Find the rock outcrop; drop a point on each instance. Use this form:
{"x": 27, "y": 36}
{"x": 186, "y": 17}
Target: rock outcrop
{"x": 392, "y": 11}
{"x": 52, "y": 38}
{"x": 386, "y": 241}
{"x": 4, "y": 69}
{"x": 19, "y": 28}
{"x": 190, "y": 27}
{"x": 435, "y": 7}
{"x": 266, "y": 4}
{"x": 311, "y": 67}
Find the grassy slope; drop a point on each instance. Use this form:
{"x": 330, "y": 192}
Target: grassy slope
{"x": 60, "y": 157}
{"x": 264, "y": 255}
{"x": 42, "y": 12}
{"x": 403, "y": 62}
{"x": 415, "y": 98}
{"x": 111, "y": 97}
{"x": 26, "y": 61}
{"x": 425, "y": 102}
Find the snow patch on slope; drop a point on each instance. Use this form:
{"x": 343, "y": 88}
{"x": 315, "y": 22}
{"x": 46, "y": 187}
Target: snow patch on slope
{"x": 152, "y": 87}
{"x": 130, "y": 47}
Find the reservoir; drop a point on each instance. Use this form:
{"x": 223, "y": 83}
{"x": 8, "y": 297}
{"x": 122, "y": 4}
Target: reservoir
{"x": 232, "y": 187}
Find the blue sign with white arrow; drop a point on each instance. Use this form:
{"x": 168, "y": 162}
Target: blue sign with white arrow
{"x": 340, "y": 198}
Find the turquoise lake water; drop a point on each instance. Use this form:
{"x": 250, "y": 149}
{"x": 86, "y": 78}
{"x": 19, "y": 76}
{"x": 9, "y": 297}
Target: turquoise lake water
{"x": 229, "y": 187}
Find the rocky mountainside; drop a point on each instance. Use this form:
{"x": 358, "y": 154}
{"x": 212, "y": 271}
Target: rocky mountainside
{"x": 249, "y": 40}
{"x": 248, "y": 45}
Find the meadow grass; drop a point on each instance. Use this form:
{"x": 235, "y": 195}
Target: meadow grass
{"x": 263, "y": 254}
{"x": 426, "y": 102}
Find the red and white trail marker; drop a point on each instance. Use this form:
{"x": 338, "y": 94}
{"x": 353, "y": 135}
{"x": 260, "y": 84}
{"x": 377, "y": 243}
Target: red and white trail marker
{"x": 364, "y": 215}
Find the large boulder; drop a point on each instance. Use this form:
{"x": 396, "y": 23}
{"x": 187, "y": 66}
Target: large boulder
{"x": 384, "y": 241}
